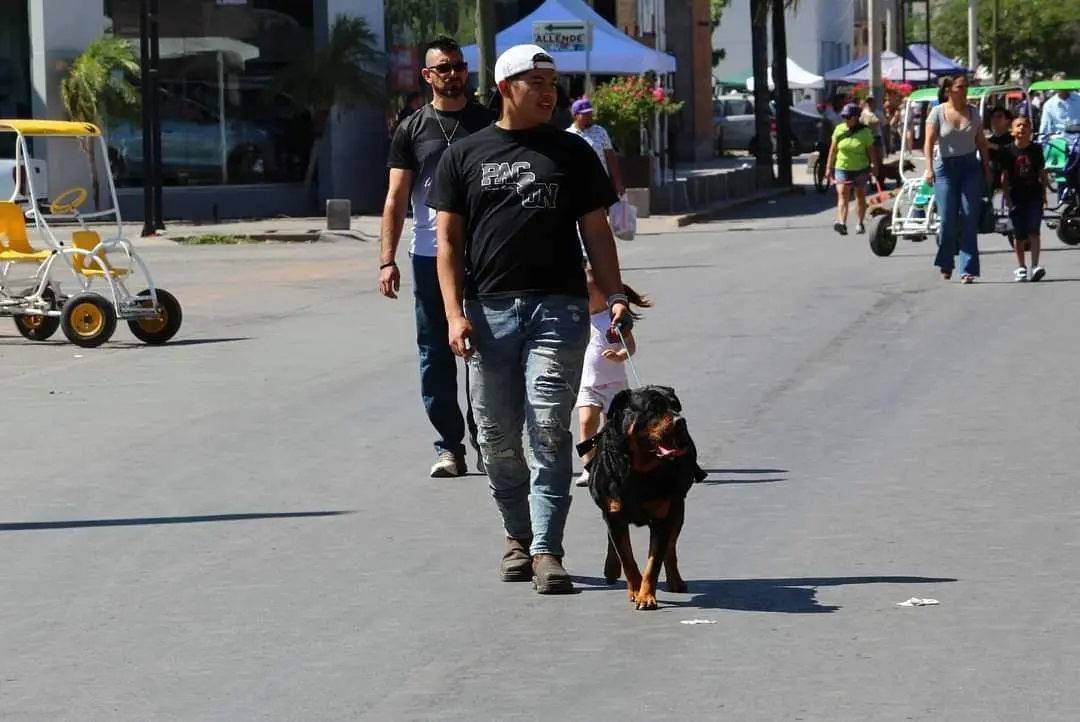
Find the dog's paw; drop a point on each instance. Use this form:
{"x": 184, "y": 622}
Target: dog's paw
{"x": 645, "y": 600}
{"x": 677, "y": 586}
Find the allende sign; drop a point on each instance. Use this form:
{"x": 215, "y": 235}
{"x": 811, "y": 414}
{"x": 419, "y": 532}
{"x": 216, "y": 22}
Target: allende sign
{"x": 573, "y": 36}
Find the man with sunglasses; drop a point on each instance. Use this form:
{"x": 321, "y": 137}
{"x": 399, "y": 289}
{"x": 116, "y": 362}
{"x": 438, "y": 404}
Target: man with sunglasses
{"x": 415, "y": 150}
{"x": 510, "y": 200}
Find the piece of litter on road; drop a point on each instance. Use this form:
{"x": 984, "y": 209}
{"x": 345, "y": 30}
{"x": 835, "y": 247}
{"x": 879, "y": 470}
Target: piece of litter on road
{"x": 78, "y": 355}
{"x": 916, "y": 602}
{"x": 697, "y": 621}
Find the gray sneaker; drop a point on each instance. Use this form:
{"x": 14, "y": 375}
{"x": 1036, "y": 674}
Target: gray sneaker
{"x": 448, "y": 465}
{"x": 516, "y": 563}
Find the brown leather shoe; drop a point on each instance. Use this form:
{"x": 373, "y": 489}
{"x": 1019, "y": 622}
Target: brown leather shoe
{"x": 516, "y": 563}
{"x": 548, "y": 575}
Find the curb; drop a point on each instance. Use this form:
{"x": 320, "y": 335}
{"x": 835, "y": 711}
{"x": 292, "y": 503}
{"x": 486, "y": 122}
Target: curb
{"x": 715, "y": 211}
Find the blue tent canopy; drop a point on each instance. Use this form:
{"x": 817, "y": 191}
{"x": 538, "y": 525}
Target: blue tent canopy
{"x": 913, "y": 67}
{"x": 937, "y": 62}
{"x": 613, "y": 52}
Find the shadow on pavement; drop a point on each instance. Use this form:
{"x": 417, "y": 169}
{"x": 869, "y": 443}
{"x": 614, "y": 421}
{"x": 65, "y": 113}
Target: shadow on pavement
{"x": 782, "y": 596}
{"x": 668, "y": 268}
{"x": 153, "y": 520}
{"x": 744, "y": 476}
{"x": 808, "y": 202}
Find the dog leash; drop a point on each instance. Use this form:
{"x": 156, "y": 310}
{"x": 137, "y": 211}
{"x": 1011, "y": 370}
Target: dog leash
{"x": 629, "y": 358}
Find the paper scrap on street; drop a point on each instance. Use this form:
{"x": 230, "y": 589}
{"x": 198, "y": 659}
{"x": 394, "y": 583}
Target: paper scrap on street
{"x": 916, "y": 602}
{"x": 697, "y": 621}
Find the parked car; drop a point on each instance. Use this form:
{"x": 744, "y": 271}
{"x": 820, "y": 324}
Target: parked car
{"x": 733, "y": 120}
{"x": 805, "y": 127}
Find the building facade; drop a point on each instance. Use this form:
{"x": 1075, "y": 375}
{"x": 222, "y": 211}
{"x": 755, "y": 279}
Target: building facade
{"x": 233, "y": 142}
{"x": 819, "y": 38}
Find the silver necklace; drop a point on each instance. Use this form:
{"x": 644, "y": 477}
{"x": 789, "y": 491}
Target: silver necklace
{"x": 438, "y": 119}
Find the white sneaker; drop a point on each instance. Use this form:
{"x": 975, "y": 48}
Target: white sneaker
{"x": 1037, "y": 272}
{"x": 860, "y": 229}
{"x": 1020, "y": 274}
{"x": 582, "y": 480}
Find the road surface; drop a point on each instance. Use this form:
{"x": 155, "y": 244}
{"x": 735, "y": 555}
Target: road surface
{"x": 240, "y": 526}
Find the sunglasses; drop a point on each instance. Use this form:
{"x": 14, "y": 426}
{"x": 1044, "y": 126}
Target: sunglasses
{"x": 447, "y": 68}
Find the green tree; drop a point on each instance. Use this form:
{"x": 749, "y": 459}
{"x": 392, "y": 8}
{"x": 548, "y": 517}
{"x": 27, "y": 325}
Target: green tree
{"x": 343, "y": 74}
{"x": 1035, "y": 37}
{"x": 96, "y": 87}
{"x": 716, "y": 14}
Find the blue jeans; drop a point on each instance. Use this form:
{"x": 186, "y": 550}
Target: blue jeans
{"x": 525, "y": 372}
{"x": 958, "y": 193}
{"x": 438, "y": 365}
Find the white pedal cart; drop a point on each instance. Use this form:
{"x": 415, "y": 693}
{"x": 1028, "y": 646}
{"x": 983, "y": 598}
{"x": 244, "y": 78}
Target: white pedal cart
{"x": 914, "y": 214}
{"x": 86, "y": 317}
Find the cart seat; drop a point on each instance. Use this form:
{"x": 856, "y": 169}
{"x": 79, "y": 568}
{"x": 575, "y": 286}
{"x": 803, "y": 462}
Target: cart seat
{"x": 14, "y": 244}
{"x": 84, "y": 263}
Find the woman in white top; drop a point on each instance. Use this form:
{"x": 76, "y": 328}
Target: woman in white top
{"x": 604, "y": 373}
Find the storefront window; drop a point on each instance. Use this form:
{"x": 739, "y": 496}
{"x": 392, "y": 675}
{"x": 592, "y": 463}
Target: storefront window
{"x": 223, "y": 120}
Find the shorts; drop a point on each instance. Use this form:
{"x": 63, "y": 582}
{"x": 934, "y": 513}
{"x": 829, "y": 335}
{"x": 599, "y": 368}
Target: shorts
{"x": 1026, "y": 218}
{"x": 599, "y": 396}
{"x": 847, "y": 177}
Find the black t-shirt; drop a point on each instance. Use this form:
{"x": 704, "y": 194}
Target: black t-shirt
{"x": 1024, "y": 167}
{"x": 521, "y": 194}
{"x": 418, "y": 144}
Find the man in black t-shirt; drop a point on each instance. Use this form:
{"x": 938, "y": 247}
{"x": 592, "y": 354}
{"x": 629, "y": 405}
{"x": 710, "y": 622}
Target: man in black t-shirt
{"x": 510, "y": 200}
{"x": 418, "y": 144}
{"x": 1024, "y": 180}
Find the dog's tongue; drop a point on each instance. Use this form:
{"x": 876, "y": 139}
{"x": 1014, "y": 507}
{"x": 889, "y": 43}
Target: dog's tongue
{"x": 664, "y": 451}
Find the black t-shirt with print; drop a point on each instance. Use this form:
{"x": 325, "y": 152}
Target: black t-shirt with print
{"x": 1024, "y": 167}
{"x": 521, "y": 194}
{"x": 418, "y": 144}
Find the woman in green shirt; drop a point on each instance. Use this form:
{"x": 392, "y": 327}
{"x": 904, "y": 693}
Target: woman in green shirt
{"x": 850, "y": 157}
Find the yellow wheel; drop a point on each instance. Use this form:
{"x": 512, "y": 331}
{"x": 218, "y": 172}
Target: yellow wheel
{"x": 38, "y": 328}
{"x": 169, "y": 317}
{"x": 88, "y": 320}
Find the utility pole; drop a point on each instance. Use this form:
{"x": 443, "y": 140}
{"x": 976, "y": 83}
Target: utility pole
{"x": 873, "y": 22}
{"x": 485, "y": 41}
{"x": 994, "y": 35}
{"x": 973, "y": 36}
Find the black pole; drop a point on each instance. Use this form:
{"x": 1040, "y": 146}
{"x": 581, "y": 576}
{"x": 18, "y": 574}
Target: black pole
{"x": 155, "y": 104}
{"x": 759, "y": 52}
{"x": 147, "y": 121}
{"x": 783, "y": 93}
{"x": 928, "y": 41}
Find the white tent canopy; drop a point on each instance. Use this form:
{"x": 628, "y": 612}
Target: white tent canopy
{"x": 613, "y": 52}
{"x": 798, "y": 78}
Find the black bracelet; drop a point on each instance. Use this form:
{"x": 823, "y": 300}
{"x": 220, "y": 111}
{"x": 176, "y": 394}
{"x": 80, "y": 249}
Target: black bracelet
{"x": 388, "y": 265}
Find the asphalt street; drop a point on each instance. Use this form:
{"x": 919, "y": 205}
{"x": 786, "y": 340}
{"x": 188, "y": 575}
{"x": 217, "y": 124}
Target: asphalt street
{"x": 240, "y": 526}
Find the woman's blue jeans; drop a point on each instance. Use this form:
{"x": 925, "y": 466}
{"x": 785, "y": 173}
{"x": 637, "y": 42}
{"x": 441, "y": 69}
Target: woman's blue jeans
{"x": 958, "y": 193}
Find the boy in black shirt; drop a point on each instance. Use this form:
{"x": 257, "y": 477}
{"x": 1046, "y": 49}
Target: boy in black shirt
{"x": 510, "y": 200}
{"x": 1024, "y": 181}
{"x": 418, "y": 144}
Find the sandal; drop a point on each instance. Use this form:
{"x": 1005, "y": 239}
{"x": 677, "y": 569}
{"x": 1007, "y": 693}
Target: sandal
{"x": 947, "y": 275}
{"x": 967, "y": 278}
{"x": 840, "y": 228}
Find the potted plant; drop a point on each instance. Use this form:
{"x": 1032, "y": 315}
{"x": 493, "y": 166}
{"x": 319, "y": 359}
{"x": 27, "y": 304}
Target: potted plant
{"x": 623, "y": 107}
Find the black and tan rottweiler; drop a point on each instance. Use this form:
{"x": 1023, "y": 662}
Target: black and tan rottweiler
{"x": 644, "y": 466}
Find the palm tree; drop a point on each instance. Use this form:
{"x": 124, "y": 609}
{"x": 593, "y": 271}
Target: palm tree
{"x": 760, "y": 12}
{"x": 343, "y": 74}
{"x": 96, "y": 86}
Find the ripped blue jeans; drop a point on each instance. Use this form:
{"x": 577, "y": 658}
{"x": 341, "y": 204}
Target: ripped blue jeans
{"x": 525, "y": 373}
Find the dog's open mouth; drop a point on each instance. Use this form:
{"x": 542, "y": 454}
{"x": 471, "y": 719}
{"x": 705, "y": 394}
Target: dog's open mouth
{"x": 667, "y": 449}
